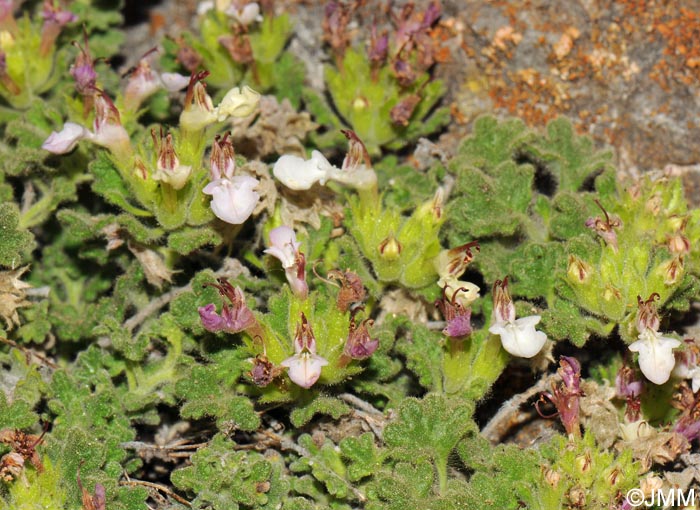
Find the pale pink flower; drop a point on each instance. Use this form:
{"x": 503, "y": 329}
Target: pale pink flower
{"x": 107, "y": 131}
{"x": 285, "y": 247}
{"x": 144, "y": 82}
{"x": 305, "y": 366}
{"x": 233, "y": 200}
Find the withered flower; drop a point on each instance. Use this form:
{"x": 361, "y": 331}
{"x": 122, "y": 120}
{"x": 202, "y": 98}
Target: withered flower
{"x": 351, "y": 288}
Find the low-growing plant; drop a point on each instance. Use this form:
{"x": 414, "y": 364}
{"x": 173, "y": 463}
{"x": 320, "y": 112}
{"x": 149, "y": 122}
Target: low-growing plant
{"x": 183, "y": 327}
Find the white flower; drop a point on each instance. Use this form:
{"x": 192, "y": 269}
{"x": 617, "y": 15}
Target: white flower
{"x": 233, "y": 199}
{"x": 305, "y": 366}
{"x": 237, "y": 103}
{"x": 245, "y": 15}
{"x": 687, "y": 364}
{"x": 199, "y": 111}
{"x": 168, "y": 168}
{"x": 519, "y": 337}
{"x": 176, "y": 177}
{"x": 682, "y": 371}
{"x": 65, "y": 140}
{"x": 656, "y": 359}
{"x": 284, "y": 246}
{"x": 107, "y": 132}
{"x": 144, "y": 82}
{"x": 299, "y": 174}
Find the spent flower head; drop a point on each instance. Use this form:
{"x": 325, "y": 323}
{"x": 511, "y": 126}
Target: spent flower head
{"x": 606, "y": 229}
{"x": 458, "y": 316}
{"x": 629, "y": 387}
{"x": 566, "y": 395}
{"x": 359, "y": 344}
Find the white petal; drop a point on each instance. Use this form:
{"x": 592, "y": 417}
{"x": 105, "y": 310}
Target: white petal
{"x": 237, "y": 103}
{"x": 65, "y": 140}
{"x": 468, "y": 292}
{"x": 299, "y": 174}
{"x": 247, "y": 15}
{"x": 174, "y": 81}
{"x": 304, "y": 368}
{"x": 177, "y": 178}
{"x": 359, "y": 178}
{"x": 234, "y": 200}
{"x": 205, "y": 6}
{"x": 520, "y": 338}
{"x": 656, "y": 359}
{"x": 283, "y": 245}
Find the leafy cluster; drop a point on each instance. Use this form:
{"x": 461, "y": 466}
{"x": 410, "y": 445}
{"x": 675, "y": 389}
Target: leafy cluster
{"x": 538, "y": 203}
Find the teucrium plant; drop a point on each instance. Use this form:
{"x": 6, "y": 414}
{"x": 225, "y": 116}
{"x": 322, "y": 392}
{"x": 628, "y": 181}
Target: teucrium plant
{"x": 128, "y": 344}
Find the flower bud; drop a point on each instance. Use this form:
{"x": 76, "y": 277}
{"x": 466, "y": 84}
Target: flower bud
{"x": 672, "y": 270}
{"x": 169, "y": 169}
{"x": 578, "y": 271}
{"x": 552, "y": 477}
{"x": 583, "y": 463}
{"x": 390, "y": 249}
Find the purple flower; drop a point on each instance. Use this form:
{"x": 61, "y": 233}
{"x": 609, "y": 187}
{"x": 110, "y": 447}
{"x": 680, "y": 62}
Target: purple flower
{"x": 55, "y": 18}
{"x": 458, "y": 316}
{"x": 566, "y": 396}
{"x": 378, "y": 47}
{"x": 359, "y": 345}
{"x": 83, "y": 71}
{"x": 263, "y": 371}
{"x": 630, "y": 388}
{"x": 688, "y": 403}
{"x": 235, "y": 317}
